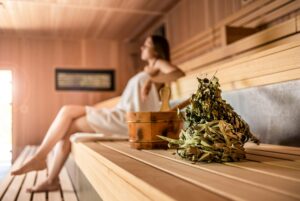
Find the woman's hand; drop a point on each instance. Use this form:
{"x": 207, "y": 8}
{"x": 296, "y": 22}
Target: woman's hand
{"x": 146, "y": 89}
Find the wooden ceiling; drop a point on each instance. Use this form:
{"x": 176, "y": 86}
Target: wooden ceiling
{"x": 93, "y": 19}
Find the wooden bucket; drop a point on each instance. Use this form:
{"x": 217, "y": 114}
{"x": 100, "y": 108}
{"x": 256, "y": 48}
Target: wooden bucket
{"x": 145, "y": 126}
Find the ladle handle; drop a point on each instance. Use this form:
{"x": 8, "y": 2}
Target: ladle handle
{"x": 181, "y": 105}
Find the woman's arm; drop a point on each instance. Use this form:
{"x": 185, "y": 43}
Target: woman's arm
{"x": 167, "y": 77}
{"x": 167, "y": 73}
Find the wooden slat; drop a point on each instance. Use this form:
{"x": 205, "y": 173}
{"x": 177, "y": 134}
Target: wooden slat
{"x": 298, "y": 23}
{"x": 276, "y": 14}
{"x": 276, "y": 43}
{"x": 273, "y": 78}
{"x": 257, "y": 14}
{"x": 73, "y": 19}
{"x": 66, "y": 186}
{"x": 54, "y": 196}
{"x": 275, "y": 148}
{"x": 270, "y": 153}
{"x": 107, "y": 185}
{"x": 188, "y": 86}
{"x": 17, "y": 186}
{"x": 205, "y": 179}
{"x": 8, "y": 179}
{"x": 95, "y": 176}
{"x": 244, "y": 11}
{"x": 272, "y": 62}
{"x": 253, "y": 41}
{"x": 141, "y": 176}
{"x": 200, "y": 49}
{"x": 262, "y": 180}
{"x": 270, "y": 66}
{"x": 28, "y": 183}
{"x": 208, "y": 37}
{"x": 41, "y": 177}
{"x": 192, "y": 40}
{"x": 17, "y": 189}
{"x": 274, "y": 161}
{"x": 280, "y": 172}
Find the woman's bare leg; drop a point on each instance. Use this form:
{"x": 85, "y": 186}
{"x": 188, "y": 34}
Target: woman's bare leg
{"x": 56, "y": 132}
{"x": 61, "y": 153}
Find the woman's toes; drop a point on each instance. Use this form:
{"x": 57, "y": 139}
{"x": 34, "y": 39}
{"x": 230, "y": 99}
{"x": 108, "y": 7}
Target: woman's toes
{"x": 44, "y": 186}
{"x": 30, "y": 166}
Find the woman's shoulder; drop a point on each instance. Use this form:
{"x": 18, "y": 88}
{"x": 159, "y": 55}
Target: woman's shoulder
{"x": 166, "y": 66}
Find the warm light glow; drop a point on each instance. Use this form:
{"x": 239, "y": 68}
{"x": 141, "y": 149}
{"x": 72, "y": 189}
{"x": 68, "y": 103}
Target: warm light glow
{"x": 5, "y": 87}
{"x": 5, "y": 116}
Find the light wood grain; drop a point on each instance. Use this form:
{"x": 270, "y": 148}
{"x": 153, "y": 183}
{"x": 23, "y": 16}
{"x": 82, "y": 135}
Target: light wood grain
{"x": 274, "y": 65}
{"x": 17, "y": 189}
{"x": 28, "y": 183}
{"x": 108, "y": 186}
{"x": 205, "y": 179}
{"x": 275, "y": 148}
{"x": 262, "y": 180}
{"x": 276, "y": 171}
{"x": 281, "y": 11}
{"x": 55, "y": 196}
{"x": 257, "y": 13}
{"x": 66, "y": 186}
{"x": 33, "y": 62}
{"x": 260, "y": 12}
{"x": 141, "y": 176}
{"x": 5, "y": 183}
{"x": 274, "y": 161}
{"x": 271, "y": 153}
{"x": 253, "y": 41}
{"x": 41, "y": 177}
{"x": 205, "y": 39}
{"x": 191, "y": 18}
{"x": 78, "y": 19}
{"x": 298, "y": 23}
{"x": 17, "y": 181}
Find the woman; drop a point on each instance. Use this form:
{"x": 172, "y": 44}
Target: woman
{"x": 140, "y": 94}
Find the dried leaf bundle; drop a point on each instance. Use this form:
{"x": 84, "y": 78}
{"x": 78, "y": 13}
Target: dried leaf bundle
{"x": 213, "y": 132}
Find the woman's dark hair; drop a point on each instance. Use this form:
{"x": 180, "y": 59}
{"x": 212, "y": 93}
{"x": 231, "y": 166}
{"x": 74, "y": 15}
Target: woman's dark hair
{"x": 161, "y": 47}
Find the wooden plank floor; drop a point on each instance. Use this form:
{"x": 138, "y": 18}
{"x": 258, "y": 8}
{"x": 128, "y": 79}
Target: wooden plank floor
{"x": 269, "y": 173}
{"x": 13, "y": 188}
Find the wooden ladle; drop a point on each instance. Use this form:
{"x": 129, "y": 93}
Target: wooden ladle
{"x": 165, "y": 94}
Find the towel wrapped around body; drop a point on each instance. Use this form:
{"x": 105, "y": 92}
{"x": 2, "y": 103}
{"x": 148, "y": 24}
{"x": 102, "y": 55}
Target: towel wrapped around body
{"x": 113, "y": 121}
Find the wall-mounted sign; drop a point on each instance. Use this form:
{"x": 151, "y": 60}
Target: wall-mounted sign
{"x": 83, "y": 79}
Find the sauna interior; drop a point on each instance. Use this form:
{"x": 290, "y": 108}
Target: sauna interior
{"x": 47, "y": 47}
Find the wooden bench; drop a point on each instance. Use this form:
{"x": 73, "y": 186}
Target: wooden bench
{"x": 13, "y": 188}
{"x": 118, "y": 172}
{"x": 274, "y": 65}
{"x": 271, "y": 172}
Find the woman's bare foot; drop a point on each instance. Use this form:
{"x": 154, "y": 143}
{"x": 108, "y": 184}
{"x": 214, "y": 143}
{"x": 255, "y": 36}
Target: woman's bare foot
{"x": 45, "y": 186}
{"x": 30, "y": 165}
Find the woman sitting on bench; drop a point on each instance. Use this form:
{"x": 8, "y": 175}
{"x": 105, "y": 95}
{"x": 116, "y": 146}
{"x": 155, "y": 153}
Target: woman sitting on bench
{"x": 140, "y": 94}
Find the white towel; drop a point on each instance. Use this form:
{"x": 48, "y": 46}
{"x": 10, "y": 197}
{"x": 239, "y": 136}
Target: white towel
{"x": 86, "y": 137}
{"x": 113, "y": 121}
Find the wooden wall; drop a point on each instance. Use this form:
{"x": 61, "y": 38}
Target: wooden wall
{"x": 209, "y": 36}
{"x": 191, "y": 17}
{"x": 195, "y": 29}
{"x": 33, "y": 60}
{"x": 254, "y": 52}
